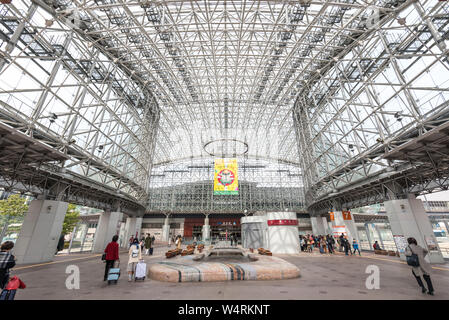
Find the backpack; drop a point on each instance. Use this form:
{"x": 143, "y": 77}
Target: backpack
{"x": 135, "y": 252}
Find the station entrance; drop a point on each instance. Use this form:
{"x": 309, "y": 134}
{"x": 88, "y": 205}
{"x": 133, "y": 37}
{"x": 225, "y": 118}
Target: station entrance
{"x": 221, "y": 232}
{"x": 220, "y": 227}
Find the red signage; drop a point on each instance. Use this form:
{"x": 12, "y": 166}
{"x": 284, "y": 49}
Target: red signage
{"x": 283, "y": 222}
{"x": 346, "y": 215}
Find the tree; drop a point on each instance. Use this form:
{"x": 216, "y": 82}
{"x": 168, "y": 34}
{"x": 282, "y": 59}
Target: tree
{"x": 12, "y": 211}
{"x": 71, "y": 219}
{"x": 14, "y": 206}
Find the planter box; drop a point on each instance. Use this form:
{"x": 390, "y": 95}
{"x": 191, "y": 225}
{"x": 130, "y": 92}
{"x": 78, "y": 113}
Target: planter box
{"x": 264, "y": 252}
{"x": 187, "y": 252}
{"x": 172, "y": 253}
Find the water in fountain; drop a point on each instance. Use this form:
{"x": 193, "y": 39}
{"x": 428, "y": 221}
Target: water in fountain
{"x": 226, "y": 254}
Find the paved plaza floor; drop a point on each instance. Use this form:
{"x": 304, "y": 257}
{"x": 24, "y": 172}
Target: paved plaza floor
{"x": 322, "y": 277}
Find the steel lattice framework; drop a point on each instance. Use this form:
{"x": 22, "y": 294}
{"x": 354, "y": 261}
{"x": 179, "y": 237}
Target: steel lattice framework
{"x": 125, "y": 88}
{"x": 187, "y": 186}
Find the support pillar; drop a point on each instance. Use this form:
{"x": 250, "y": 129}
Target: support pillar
{"x": 166, "y": 230}
{"x": 368, "y": 236}
{"x": 133, "y": 225}
{"x": 326, "y": 226}
{"x": 206, "y": 229}
{"x": 408, "y": 218}
{"x": 318, "y": 227}
{"x": 380, "y": 236}
{"x": 40, "y": 231}
{"x": 108, "y": 226}
{"x": 346, "y": 219}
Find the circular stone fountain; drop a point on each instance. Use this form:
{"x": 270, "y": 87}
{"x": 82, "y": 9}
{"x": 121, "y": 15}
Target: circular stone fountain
{"x": 222, "y": 264}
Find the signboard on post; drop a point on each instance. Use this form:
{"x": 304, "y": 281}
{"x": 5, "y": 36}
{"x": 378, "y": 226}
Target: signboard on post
{"x": 346, "y": 215}
{"x": 431, "y": 244}
{"x": 338, "y": 230}
{"x": 401, "y": 243}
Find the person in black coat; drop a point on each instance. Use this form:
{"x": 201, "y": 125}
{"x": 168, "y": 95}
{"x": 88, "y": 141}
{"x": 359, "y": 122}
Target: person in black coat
{"x": 60, "y": 246}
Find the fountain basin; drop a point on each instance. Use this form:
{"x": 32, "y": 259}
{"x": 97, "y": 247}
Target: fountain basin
{"x": 222, "y": 267}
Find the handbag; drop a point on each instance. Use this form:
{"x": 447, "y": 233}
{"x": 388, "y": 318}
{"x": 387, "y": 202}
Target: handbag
{"x": 103, "y": 257}
{"x": 15, "y": 283}
{"x": 413, "y": 259}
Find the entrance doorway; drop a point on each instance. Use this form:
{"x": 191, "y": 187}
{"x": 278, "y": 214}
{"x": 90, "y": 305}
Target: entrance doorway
{"x": 219, "y": 232}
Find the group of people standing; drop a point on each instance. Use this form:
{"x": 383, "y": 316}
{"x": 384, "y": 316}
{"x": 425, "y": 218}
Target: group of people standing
{"x": 323, "y": 243}
{"x": 177, "y": 241}
{"x": 327, "y": 244}
{"x": 146, "y": 243}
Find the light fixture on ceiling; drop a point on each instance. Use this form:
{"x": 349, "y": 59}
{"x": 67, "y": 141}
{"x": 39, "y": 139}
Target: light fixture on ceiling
{"x": 53, "y": 117}
{"x": 398, "y": 116}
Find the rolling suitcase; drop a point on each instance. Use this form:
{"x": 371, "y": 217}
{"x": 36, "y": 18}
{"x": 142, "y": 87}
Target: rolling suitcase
{"x": 7, "y": 294}
{"x": 113, "y": 275}
{"x": 141, "y": 271}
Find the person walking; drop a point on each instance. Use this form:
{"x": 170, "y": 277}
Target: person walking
{"x": 148, "y": 243}
{"x": 323, "y": 244}
{"x": 7, "y": 261}
{"x": 142, "y": 245}
{"x": 311, "y": 243}
{"x": 60, "y": 246}
{"x": 178, "y": 242}
{"x": 341, "y": 242}
{"x": 111, "y": 255}
{"x": 131, "y": 240}
{"x": 134, "y": 256}
{"x": 170, "y": 240}
{"x": 345, "y": 244}
{"x": 330, "y": 242}
{"x": 423, "y": 269}
{"x": 355, "y": 245}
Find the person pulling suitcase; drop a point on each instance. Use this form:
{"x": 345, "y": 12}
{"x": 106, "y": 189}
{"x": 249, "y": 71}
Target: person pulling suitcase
{"x": 111, "y": 255}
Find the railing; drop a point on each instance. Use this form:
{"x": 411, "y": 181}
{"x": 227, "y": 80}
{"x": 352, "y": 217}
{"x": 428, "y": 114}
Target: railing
{"x": 365, "y": 246}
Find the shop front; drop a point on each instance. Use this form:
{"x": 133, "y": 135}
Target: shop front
{"x": 221, "y": 228}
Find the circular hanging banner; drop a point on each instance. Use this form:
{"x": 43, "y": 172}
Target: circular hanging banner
{"x": 225, "y": 177}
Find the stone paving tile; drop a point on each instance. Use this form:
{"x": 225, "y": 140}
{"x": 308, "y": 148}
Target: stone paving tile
{"x": 322, "y": 277}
